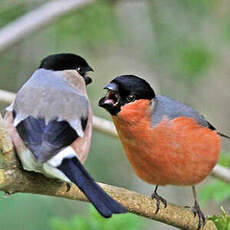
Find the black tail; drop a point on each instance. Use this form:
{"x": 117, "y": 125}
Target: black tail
{"x": 223, "y": 135}
{"x": 213, "y": 128}
{"x": 104, "y": 204}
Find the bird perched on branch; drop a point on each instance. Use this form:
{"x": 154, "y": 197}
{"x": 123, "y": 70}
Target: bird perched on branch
{"x": 165, "y": 141}
{"x": 50, "y": 123}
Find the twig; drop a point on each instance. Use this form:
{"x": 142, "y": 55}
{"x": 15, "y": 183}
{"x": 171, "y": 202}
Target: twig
{"x": 221, "y": 173}
{"x": 108, "y": 128}
{"x": 102, "y": 125}
{"x": 35, "y": 20}
{"x": 6, "y": 96}
{"x": 13, "y": 179}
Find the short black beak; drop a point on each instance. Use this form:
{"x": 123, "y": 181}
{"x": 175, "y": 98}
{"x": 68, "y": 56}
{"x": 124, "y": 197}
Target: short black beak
{"x": 88, "y": 80}
{"x": 89, "y": 68}
{"x": 112, "y": 97}
{"x": 112, "y": 86}
{"x": 101, "y": 102}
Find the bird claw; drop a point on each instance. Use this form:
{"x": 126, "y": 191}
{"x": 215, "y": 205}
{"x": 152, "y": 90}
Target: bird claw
{"x": 68, "y": 186}
{"x": 197, "y": 212}
{"x": 159, "y": 199}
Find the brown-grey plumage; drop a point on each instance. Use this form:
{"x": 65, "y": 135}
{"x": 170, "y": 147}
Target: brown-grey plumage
{"x": 50, "y": 123}
{"x": 57, "y": 99}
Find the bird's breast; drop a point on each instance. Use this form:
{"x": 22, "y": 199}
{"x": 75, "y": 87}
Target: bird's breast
{"x": 178, "y": 151}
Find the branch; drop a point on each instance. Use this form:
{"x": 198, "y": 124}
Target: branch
{"x": 102, "y": 125}
{"x": 6, "y": 96}
{"x": 35, "y": 20}
{"x": 221, "y": 173}
{"x": 13, "y": 179}
{"x": 107, "y": 127}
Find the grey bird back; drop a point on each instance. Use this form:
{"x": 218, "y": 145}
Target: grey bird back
{"x": 164, "y": 106}
{"x": 47, "y": 95}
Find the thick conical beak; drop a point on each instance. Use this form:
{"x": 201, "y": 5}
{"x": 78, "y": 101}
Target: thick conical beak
{"x": 89, "y": 68}
{"x": 112, "y": 87}
{"x": 112, "y": 97}
{"x": 88, "y": 79}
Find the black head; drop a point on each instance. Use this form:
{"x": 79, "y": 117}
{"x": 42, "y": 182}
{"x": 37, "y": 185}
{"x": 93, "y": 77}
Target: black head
{"x": 67, "y": 61}
{"x": 123, "y": 90}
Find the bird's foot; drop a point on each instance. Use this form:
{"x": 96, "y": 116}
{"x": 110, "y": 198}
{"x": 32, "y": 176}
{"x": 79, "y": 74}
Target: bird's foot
{"x": 197, "y": 212}
{"x": 159, "y": 199}
{"x": 68, "y": 186}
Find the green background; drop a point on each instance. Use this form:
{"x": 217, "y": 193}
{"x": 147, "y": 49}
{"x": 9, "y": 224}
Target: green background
{"x": 181, "y": 47}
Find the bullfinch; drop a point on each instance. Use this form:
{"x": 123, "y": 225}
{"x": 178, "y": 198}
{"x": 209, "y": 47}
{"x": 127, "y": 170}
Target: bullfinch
{"x": 165, "y": 141}
{"x": 50, "y": 123}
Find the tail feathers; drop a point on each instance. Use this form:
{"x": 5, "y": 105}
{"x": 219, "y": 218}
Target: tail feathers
{"x": 104, "y": 204}
{"x": 223, "y": 135}
{"x": 213, "y": 128}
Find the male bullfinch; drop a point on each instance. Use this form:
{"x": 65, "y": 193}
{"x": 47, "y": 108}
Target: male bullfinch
{"x": 165, "y": 141}
{"x": 50, "y": 123}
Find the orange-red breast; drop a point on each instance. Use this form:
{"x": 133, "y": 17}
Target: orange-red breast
{"x": 165, "y": 141}
{"x": 50, "y": 122}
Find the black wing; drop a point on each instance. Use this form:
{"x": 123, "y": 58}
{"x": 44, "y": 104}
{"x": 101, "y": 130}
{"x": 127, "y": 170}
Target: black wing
{"x": 210, "y": 126}
{"x": 46, "y": 140}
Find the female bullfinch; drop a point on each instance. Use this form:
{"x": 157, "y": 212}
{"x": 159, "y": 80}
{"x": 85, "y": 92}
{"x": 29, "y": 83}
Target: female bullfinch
{"x": 50, "y": 123}
{"x": 165, "y": 141}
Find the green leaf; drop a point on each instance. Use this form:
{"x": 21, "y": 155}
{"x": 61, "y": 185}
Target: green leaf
{"x": 222, "y": 222}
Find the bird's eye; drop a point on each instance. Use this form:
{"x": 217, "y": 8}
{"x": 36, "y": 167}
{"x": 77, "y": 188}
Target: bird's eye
{"x": 131, "y": 98}
{"x": 78, "y": 69}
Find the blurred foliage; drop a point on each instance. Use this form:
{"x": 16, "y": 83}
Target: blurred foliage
{"x": 199, "y": 6}
{"x": 187, "y": 43}
{"x": 188, "y": 57}
{"x": 217, "y": 190}
{"x": 33, "y": 212}
{"x": 11, "y": 10}
{"x": 95, "y": 222}
{"x": 224, "y": 159}
{"x": 226, "y": 29}
{"x": 195, "y": 59}
{"x": 11, "y": 13}
{"x": 222, "y": 221}
{"x": 81, "y": 27}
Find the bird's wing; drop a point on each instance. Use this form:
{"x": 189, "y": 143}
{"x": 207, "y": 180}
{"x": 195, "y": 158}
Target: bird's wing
{"x": 49, "y": 114}
{"x": 167, "y": 107}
